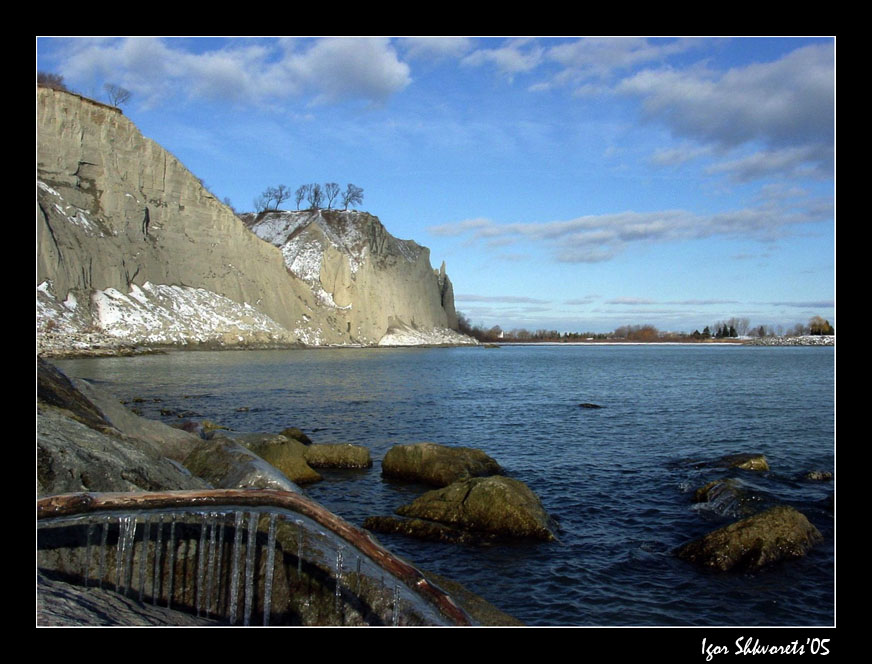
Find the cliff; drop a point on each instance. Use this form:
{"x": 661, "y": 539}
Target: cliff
{"x": 130, "y": 245}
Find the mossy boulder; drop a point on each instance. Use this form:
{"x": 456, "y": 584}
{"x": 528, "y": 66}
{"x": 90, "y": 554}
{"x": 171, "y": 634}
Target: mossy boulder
{"x": 495, "y": 505}
{"x": 226, "y": 464}
{"x": 338, "y": 455}
{"x": 778, "y": 533}
{"x": 437, "y": 465}
{"x": 287, "y": 454}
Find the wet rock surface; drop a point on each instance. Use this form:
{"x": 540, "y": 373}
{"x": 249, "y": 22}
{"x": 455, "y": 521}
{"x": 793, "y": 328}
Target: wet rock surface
{"x": 436, "y": 465}
{"x": 742, "y": 460}
{"x": 776, "y": 534}
{"x": 337, "y": 455}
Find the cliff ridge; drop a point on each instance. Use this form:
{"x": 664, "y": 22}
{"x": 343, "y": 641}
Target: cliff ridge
{"x": 132, "y": 247}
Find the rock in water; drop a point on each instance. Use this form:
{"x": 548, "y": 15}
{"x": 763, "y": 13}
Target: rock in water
{"x": 286, "y": 454}
{"x": 494, "y": 505}
{"x": 338, "y": 455}
{"x": 779, "y": 533}
{"x": 437, "y": 465}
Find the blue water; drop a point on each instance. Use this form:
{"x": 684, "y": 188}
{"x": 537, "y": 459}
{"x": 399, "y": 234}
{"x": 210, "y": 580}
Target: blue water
{"x": 618, "y": 479}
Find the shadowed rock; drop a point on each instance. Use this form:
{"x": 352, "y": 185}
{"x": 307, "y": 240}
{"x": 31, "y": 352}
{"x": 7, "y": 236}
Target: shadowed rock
{"x": 437, "y": 465}
{"x": 779, "y": 533}
{"x": 296, "y": 434}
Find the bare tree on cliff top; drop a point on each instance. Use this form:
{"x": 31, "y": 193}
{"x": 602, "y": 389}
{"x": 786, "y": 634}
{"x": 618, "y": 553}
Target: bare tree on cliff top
{"x": 352, "y": 196}
{"x": 117, "y": 94}
{"x": 315, "y": 196}
{"x": 331, "y": 191}
{"x": 50, "y": 80}
{"x": 301, "y": 193}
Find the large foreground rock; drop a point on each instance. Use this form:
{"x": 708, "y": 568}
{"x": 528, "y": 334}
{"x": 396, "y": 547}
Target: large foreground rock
{"x": 80, "y": 448}
{"x": 495, "y": 505}
{"x": 226, "y": 464}
{"x": 437, "y": 465}
{"x": 286, "y": 454}
{"x": 779, "y": 533}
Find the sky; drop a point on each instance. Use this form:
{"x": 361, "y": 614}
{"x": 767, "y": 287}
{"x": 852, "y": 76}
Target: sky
{"x": 569, "y": 184}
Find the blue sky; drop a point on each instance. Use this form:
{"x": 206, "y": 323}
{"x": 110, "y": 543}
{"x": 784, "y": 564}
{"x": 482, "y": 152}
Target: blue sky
{"x": 576, "y": 184}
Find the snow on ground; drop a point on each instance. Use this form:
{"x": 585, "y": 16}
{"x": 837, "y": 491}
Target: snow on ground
{"x": 405, "y": 335}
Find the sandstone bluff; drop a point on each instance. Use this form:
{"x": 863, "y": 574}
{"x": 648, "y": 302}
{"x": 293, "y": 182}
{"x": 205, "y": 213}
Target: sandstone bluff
{"x": 132, "y": 250}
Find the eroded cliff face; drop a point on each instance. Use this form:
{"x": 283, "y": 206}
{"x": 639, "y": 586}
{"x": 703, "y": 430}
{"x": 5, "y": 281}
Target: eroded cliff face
{"x": 368, "y": 281}
{"x": 130, "y": 244}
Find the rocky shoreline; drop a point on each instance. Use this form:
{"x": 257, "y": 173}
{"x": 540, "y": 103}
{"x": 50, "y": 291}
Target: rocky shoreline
{"x": 90, "y": 442}
{"x": 90, "y": 445}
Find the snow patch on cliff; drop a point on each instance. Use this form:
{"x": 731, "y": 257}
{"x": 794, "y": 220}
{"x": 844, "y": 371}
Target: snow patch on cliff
{"x": 164, "y": 314}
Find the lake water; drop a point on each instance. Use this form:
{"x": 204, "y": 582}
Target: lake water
{"x": 619, "y": 479}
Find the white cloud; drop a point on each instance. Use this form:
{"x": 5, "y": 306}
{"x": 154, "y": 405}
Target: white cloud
{"x": 256, "y": 71}
{"x": 788, "y": 102}
{"x": 516, "y": 56}
{"x": 597, "y": 238}
{"x": 435, "y": 48}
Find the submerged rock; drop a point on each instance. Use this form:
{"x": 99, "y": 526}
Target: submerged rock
{"x": 726, "y": 497}
{"x": 818, "y": 476}
{"x": 779, "y": 533}
{"x": 495, "y": 505}
{"x": 590, "y": 405}
{"x": 437, "y": 465}
{"x": 339, "y": 455}
{"x": 745, "y": 461}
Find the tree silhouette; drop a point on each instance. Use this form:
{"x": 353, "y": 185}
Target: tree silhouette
{"x": 352, "y": 196}
{"x": 331, "y": 191}
{"x": 117, "y": 94}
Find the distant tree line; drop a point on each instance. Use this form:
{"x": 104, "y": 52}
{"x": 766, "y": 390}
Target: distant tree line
{"x": 729, "y": 329}
{"x": 314, "y": 194}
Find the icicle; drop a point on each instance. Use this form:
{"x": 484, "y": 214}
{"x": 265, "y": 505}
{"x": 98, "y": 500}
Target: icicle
{"x": 201, "y": 566}
{"x": 270, "y": 561}
{"x": 119, "y": 550}
{"x": 171, "y": 556}
{"x": 299, "y": 547}
{"x": 87, "y": 570}
{"x": 218, "y": 565}
{"x": 143, "y": 554}
{"x": 249, "y": 567}
{"x": 104, "y": 539}
{"x": 158, "y": 541}
{"x": 357, "y": 592}
{"x": 127, "y": 538}
{"x": 338, "y": 592}
{"x": 396, "y": 619}
{"x": 234, "y": 570}
{"x": 210, "y": 568}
